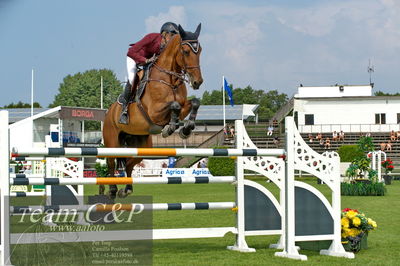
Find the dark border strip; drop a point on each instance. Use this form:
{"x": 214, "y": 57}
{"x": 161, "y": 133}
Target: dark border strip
{"x": 20, "y": 194}
{"x": 202, "y": 180}
{"x": 174, "y": 180}
{"x": 21, "y": 209}
{"x": 51, "y": 181}
{"x": 202, "y": 206}
{"x": 220, "y": 152}
{"x": 89, "y": 151}
{"x": 174, "y": 206}
{"x": 21, "y": 181}
{"x": 56, "y": 151}
{"x": 249, "y": 152}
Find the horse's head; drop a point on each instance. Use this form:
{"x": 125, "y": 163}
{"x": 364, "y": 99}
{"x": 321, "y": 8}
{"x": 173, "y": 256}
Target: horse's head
{"x": 189, "y": 60}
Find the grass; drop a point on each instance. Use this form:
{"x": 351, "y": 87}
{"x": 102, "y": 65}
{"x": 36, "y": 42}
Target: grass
{"x": 383, "y": 244}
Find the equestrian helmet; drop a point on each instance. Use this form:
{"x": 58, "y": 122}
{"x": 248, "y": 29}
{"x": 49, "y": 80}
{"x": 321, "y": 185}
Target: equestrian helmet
{"x": 169, "y": 27}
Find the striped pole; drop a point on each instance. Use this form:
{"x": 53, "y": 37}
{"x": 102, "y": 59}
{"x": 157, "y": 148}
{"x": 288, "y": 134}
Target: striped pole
{"x": 27, "y": 158}
{"x": 122, "y": 180}
{"x": 27, "y": 175}
{"x": 143, "y": 152}
{"x": 28, "y": 194}
{"x": 136, "y": 207}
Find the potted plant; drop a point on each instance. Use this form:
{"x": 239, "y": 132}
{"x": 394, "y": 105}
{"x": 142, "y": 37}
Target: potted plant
{"x": 355, "y": 229}
{"x": 388, "y": 166}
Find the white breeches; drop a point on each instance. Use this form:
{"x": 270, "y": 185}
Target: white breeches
{"x": 131, "y": 69}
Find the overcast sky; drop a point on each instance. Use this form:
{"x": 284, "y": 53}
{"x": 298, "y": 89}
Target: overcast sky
{"x": 266, "y": 44}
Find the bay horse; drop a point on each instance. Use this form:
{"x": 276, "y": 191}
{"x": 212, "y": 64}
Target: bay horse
{"x": 161, "y": 105}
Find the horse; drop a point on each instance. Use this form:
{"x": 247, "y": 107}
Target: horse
{"x": 160, "y": 106}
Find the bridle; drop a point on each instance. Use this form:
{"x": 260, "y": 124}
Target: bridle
{"x": 195, "y": 47}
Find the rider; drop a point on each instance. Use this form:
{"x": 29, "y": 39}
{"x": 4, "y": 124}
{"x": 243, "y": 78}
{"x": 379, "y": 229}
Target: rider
{"x": 141, "y": 53}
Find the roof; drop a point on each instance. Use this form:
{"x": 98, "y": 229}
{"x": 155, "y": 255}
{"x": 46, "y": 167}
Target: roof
{"x": 391, "y": 97}
{"x": 205, "y": 112}
{"x": 215, "y": 112}
{"x": 17, "y": 114}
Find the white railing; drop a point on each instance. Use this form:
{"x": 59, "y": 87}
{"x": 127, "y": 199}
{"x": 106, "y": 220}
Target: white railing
{"x": 355, "y": 128}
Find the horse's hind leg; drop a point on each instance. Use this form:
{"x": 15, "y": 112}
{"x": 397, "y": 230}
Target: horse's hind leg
{"x": 111, "y": 172}
{"x": 140, "y": 142}
{"x": 122, "y": 193}
{"x": 192, "y": 106}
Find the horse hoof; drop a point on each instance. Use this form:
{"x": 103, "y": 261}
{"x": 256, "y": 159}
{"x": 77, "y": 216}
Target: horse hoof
{"x": 112, "y": 195}
{"x": 183, "y": 135}
{"x": 166, "y": 132}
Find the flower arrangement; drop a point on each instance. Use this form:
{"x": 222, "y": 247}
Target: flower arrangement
{"x": 388, "y": 165}
{"x": 101, "y": 167}
{"x": 354, "y": 226}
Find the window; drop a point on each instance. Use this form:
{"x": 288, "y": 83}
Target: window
{"x": 380, "y": 119}
{"x": 309, "y": 119}
{"x": 398, "y": 118}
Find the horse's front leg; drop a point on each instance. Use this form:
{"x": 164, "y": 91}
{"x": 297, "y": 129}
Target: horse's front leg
{"x": 175, "y": 108}
{"x": 192, "y": 105}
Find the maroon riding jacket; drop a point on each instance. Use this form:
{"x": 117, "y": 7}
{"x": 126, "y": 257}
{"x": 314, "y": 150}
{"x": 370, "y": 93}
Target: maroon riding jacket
{"x": 145, "y": 48}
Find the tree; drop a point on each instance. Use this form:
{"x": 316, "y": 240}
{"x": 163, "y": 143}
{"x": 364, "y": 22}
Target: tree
{"x": 381, "y": 93}
{"x": 269, "y": 102}
{"x": 22, "y": 105}
{"x": 83, "y": 89}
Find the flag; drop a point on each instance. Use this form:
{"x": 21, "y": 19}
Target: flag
{"x": 229, "y": 91}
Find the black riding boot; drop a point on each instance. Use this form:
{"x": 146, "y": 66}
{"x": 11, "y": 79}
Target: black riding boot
{"x": 124, "y": 118}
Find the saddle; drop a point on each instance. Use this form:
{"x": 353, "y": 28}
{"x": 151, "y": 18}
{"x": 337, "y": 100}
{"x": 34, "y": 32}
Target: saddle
{"x": 142, "y": 77}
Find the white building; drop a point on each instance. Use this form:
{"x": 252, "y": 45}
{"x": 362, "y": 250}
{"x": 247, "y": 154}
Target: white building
{"x": 347, "y": 108}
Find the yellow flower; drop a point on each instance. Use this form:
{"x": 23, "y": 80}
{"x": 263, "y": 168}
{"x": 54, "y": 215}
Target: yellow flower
{"x": 351, "y": 214}
{"x": 345, "y": 232}
{"x": 345, "y": 222}
{"x": 354, "y": 232}
{"x": 374, "y": 225}
{"x": 356, "y": 221}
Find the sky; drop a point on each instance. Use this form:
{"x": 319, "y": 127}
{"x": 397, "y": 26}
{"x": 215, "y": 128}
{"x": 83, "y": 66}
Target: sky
{"x": 269, "y": 45}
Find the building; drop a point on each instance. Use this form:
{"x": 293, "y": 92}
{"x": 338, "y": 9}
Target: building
{"x": 64, "y": 126}
{"x": 345, "y": 107}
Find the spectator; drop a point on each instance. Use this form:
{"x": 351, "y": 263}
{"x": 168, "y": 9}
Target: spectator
{"x": 368, "y": 134}
{"x": 232, "y": 131}
{"x": 327, "y": 143}
{"x": 334, "y": 136}
{"x": 319, "y": 136}
{"x": 310, "y": 138}
{"x": 276, "y": 141}
{"x": 398, "y": 135}
{"x": 203, "y": 164}
{"x": 226, "y": 132}
{"x": 321, "y": 143}
{"x": 383, "y": 146}
{"x": 389, "y": 146}
{"x": 392, "y": 135}
{"x": 341, "y": 135}
{"x": 164, "y": 165}
{"x": 270, "y": 130}
{"x": 275, "y": 123}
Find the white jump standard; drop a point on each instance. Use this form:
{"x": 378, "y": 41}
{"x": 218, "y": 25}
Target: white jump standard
{"x": 301, "y": 213}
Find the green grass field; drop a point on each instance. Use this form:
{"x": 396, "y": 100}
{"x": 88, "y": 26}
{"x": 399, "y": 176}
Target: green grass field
{"x": 383, "y": 244}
